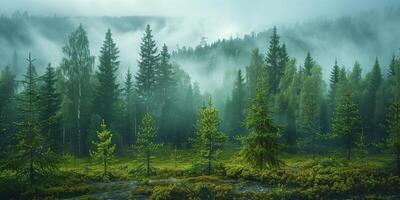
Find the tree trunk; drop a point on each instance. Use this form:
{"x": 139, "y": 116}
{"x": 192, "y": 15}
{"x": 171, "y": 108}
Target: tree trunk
{"x": 348, "y": 146}
{"x": 79, "y": 119}
{"x": 148, "y": 162}
{"x": 31, "y": 166}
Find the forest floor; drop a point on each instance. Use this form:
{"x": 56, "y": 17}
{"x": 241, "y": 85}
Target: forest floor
{"x": 174, "y": 177}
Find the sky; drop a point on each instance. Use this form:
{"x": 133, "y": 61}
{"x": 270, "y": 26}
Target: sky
{"x": 235, "y": 16}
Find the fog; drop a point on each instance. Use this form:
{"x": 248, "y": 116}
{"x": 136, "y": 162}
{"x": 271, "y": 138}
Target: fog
{"x": 184, "y": 23}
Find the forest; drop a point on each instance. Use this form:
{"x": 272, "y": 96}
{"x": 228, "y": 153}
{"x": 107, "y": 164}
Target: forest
{"x": 83, "y": 128}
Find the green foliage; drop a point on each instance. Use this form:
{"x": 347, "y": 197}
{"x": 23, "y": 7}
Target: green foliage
{"x": 105, "y": 149}
{"x": 148, "y": 61}
{"x": 393, "y": 128}
{"x": 209, "y": 139}
{"x": 77, "y": 65}
{"x": 107, "y": 91}
{"x": 145, "y": 143}
{"x": 346, "y": 122}
{"x": 261, "y": 146}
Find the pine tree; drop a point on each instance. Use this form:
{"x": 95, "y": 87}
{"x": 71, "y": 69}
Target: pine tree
{"x": 8, "y": 113}
{"x": 107, "y": 91}
{"x": 274, "y": 69}
{"x": 209, "y": 139}
{"x": 393, "y": 128}
{"x": 105, "y": 149}
{"x": 362, "y": 146}
{"x": 253, "y": 71}
{"x": 77, "y": 66}
{"x": 308, "y": 64}
{"x": 146, "y": 76}
{"x": 346, "y": 122}
{"x": 145, "y": 143}
{"x": 32, "y": 156}
{"x": 261, "y": 147}
{"x": 49, "y": 106}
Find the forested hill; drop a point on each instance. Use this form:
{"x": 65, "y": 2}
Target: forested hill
{"x": 362, "y": 37}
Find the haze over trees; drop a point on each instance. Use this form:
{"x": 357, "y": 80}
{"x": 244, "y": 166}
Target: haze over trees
{"x": 277, "y": 107}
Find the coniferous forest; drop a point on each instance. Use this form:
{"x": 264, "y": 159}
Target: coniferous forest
{"x": 280, "y": 126}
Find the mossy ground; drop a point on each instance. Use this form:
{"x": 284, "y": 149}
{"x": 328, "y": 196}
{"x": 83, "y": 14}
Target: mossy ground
{"x": 326, "y": 176}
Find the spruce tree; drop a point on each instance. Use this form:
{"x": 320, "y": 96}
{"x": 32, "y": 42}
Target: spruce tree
{"x": 146, "y": 76}
{"x": 274, "y": 69}
{"x": 33, "y": 157}
{"x": 105, "y": 149}
{"x": 107, "y": 91}
{"x": 346, "y": 122}
{"x": 77, "y": 65}
{"x": 145, "y": 143}
{"x": 261, "y": 147}
{"x": 164, "y": 88}
{"x": 209, "y": 139}
{"x": 49, "y": 106}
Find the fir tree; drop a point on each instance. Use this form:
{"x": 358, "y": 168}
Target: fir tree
{"x": 346, "y": 122}
{"x": 107, "y": 91}
{"x": 261, "y": 147}
{"x": 148, "y": 61}
{"x": 209, "y": 139}
{"x": 105, "y": 149}
{"x": 145, "y": 143}
{"x": 49, "y": 106}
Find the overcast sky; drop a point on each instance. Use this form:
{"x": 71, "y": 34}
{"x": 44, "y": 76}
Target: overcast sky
{"x": 241, "y": 15}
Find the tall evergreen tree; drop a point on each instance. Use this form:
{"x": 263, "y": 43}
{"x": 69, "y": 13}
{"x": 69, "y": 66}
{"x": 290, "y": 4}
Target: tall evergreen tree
{"x": 32, "y": 157}
{"x": 105, "y": 149}
{"x": 107, "y": 91}
{"x": 164, "y": 88}
{"x": 8, "y": 86}
{"x": 237, "y": 106}
{"x": 49, "y": 106}
{"x": 146, "y": 76}
{"x": 261, "y": 147}
{"x": 373, "y": 82}
{"x": 209, "y": 139}
{"x": 77, "y": 65}
{"x": 130, "y": 110}
{"x": 274, "y": 69}
{"x": 346, "y": 122}
{"x": 333, "y": 84}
